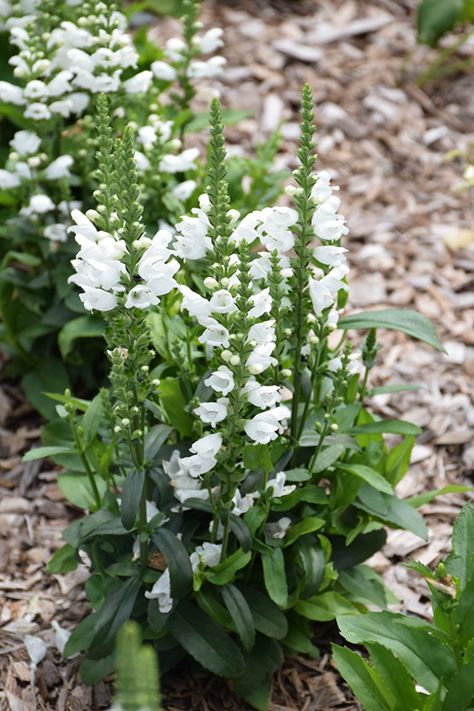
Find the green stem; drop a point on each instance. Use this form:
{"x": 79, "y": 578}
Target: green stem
{"x": 85, "y": 462}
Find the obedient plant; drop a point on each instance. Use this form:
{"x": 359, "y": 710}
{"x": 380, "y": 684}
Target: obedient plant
{"x": 65, "y": 55}
{"x": 233, "y": 478}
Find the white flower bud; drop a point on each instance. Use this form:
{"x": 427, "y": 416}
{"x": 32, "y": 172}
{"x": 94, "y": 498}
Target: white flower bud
{"x": 125, "y": 422}
{"x": 225, "y": 282}
{"x": 255, "y": 368}
{"x": 156, "y": 383}
{"x": 334, "y": 427}
{"x": 286, "y": 373}
{"x": 235, "y": 360}
{"x": 314, "y": 340}
{"x": 210, "y": 283}
{"x": 288, "y": 331}
{"x": 233, "y": 216}
{"x": 176, "y": 144}
{"x": 311, "y": 318}
{"x": 92, "y": 215}
{"x": 226, "y": 356}
{"x": 117, "y": 429}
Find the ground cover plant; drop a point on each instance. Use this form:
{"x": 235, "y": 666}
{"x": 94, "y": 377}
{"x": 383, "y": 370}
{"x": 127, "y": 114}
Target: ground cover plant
{"x": 63, "y": 55}
{"x": 234, "y": 479}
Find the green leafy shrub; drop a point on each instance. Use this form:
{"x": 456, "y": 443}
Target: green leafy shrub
{"x": 414, "y": 665}
{"x": 234, "y": 480}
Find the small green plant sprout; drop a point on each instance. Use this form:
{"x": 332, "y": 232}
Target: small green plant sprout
{"x": 137, "y": 682}
{"x": 414, "y": 665}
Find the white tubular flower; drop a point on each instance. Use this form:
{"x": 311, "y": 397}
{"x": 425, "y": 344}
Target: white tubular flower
{"x": 221, "y": 380}
{"x": 180, "y": 163}
{"x": 222, "y": 302}
{"x": 195, "y": 304}
{"x": 262, "y": 333}
{"x": 242, "y": 504}
{"x": 184, "y": 486}
{"x": 35, "y": 89}
{"x": 331, "y": 256}
{"x": 38, "y": 205}
{"x": 8, "y": 180}
{"x": 261, "y": 358}
{"x": 175, "y": 48}
{"x": 262, "y": 303}
{"x": 11, "y": 94}
{"x": 246, "y": 231}
{"x": 25, "y": 143}
{"x": 210, "y": 41}
{"x": 278, "y": 529}
{"x": 141, "y": 297}
{"x": 206, "y": 70}
{"x": 215, "y": 335}
{"x": 98, "y": 299}
{"x": 260, "y": 267}
{"x": 274, "y": 232}
{"x": 193, "y": 241}
{"x": 206, "y": 556}
{"x": 266, "y": 426}
{"x": 184, "y": 190}
{"x": 38, "y": 112}
{"x": 141, "y": 161}
{"x": 324, "y": 291}
{"x": 59, "y": 168}
{"x": 322, "y": 189}
{"x": 161, "y": 591}
{"x": 328, "y": 225}
{"x": 262, "y": 396}
{"x": 277, "y": 486}
{"x": 147, "y": 136}
{"x": 139, "y": 84}
{"x": 163, "y": 71}
{"x": 207, "y": 446}
{"x": 56, "y": 232}
{"x": 211, "y": 413}
{"x": 203, "y": 458}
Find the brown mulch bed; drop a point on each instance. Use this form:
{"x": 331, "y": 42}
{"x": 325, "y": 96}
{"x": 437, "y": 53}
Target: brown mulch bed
{"x": 385, "y": 140}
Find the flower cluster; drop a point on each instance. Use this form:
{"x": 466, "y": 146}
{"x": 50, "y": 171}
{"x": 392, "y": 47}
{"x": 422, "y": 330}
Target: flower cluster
{"x": 101, "y": 267}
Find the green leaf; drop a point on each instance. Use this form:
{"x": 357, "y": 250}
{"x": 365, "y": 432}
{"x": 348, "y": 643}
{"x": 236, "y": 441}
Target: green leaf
{"x": 411, "y": 640}
{"x": 181, "y": 573}
{"x": 327, "y": 457}
{"x": 268, "y": 619}
{"x": 63, "y": 561}
{"x": 274, "y": 575}
{"x": 405, "y": 320}
{"x": 422, "y": 499}
{"x": 254, "y": 684}
{"x": 458, "y": 563}
{"x": 435, "y": 18}
{"x": 131, "y": 495}
{"x": 396, "y": 678}
{"x": 111, "y": 616}
{"x": 49, "y": 376}
{"x": 387, "y": 389}
{"x": 460, "y": 688}
{"x": 313, "y": 561}
{"x": 464, "y": 611}
{"x": 155, "y": 439}
{"x": 77, "y": 489}
{"x": 365, "y": 586}
{"x": 398, "y": 460}
{"x": 391, "y": 510}
{"x": 241, "y": 531}
{"x": 324, "y": 607}
{"x": 302, "y": 528}
{"x": 363, "y": 547}
{"x": 81, "y": 327}
{"x": 300, "y": 636}
{"x": 93, "y": 418}
{"x": 368, "y": 475}
{"x": 94, "y": 670}
{"x": 224, "y": 572}
{"x": 257, "y": 457}
{"x": 399, "y": 427}
{"x": 363, "y": 680}
{"x": 205, "y": 640}
{"x": 46, "y": 452}
{"x": 174, "y": 405}
{"x": 241, "y": 615}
